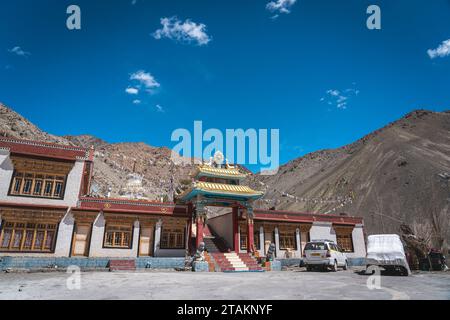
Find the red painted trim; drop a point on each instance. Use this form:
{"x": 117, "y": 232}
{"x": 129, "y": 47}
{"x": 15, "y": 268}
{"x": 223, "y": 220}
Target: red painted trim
{"x": 236, "y": 244}
{"x": 132, "y": 206}
{"x": 144, "y": 202}
{"x": 199, "y": 231}
{"x": 32, "y": 206}
{"x": 82, "y": 181}
{"x": 298, "y": 217}
{"x": 272, "y": 215}
{"x": 250, "y": 238}
{"x": 44, "y": 149}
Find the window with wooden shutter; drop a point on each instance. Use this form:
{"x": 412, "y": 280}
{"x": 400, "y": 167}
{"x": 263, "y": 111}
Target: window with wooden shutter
{"x": 172, "y": 238}
{"x": 118, "y": 236}
{"x": 28, "y": 237}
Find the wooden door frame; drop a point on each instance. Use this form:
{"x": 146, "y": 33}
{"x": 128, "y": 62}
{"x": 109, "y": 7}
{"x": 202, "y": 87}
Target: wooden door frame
{"x": 88, "y": 239}
{"x": 152, "y": 239}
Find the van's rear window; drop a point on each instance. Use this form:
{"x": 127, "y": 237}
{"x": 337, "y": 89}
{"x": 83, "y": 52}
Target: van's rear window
{"x": 315, "y": 246}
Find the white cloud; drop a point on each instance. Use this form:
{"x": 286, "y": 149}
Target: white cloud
{"x": 187, "y": 31}
{"x": 137, "y": 101}
{"x": 280, "y": 6}
{"x": 19, "y": 51}
{"x": 333, "y": 93}
{"x": 159, "y": 108}
{"x": 145, "y": 79}
{"x": 131, "y": 90}
{"x": 339, "y": 98}
{"x": 442, "y": 51}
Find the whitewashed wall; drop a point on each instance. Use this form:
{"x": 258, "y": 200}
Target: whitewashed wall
{"x": 98, "y": 232}
{"x": 72, "y": 189}
{"x": 223, "y": 226}
{"x": 158, "y": 252}
{"x": 322, "y": 231}
{"x": 64, "y": 239}
{"x": 359, "y": 243}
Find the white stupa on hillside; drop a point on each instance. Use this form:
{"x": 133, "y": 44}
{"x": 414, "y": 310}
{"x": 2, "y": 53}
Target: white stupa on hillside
{"x": 133, "y": 189}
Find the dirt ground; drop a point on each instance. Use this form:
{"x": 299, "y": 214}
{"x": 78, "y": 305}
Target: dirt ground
{"x": 293, "y": 284}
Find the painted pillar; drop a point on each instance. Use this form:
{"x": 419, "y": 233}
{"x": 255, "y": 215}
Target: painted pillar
{"x": 250, "y": 236}
{"x": 189, "y": 232}
{"x": 277, "y": 242}
{"x": 189, "y": 236}
{"x": 262, "y": 252}
{"x": 200, "y": 218}
{"x": 235, "y": 230}
{"x": 157, "y": 242}
{"x": 299, "y": 243}
{"x": 199, "y": 221}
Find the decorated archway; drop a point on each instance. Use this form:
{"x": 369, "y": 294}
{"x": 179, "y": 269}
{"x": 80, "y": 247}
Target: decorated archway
{"x": 217, "y": 183}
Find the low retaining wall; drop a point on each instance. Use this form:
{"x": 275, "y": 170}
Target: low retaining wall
{"x": 290, "y": 262}
{"x": 30, "y": 263}
{"x": 200, "y": 266}
{"x": 356, "y": 262}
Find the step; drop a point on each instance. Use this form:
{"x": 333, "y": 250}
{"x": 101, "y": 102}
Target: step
{"x": 122, "y": 265}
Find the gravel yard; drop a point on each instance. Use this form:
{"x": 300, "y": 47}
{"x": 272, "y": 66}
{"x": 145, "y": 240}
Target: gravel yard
{"x": 293, "y": 284}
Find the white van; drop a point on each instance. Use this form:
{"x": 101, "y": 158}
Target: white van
{"x": 386, "y": 251}
{"x": 324, "y": 254}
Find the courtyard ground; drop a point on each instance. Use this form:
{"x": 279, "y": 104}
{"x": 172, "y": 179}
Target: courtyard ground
{"x": 293, "y": 284}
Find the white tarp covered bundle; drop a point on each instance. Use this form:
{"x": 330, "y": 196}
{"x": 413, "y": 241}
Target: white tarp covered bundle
{"x": 386, "y": 249}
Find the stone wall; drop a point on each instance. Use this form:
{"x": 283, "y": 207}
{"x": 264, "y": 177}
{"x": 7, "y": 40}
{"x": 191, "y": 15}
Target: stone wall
{"x": 34, "y": 263}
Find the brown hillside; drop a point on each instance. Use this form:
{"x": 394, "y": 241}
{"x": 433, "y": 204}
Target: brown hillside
{"x": 398, "y": 174}
{"x": 392, "y": 176}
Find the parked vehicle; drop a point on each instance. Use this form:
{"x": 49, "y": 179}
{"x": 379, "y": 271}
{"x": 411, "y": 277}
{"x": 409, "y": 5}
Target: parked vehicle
{"x": 434, "y": 262}
{"x": 324, "y": 254}
{"x": 386, "y": 251}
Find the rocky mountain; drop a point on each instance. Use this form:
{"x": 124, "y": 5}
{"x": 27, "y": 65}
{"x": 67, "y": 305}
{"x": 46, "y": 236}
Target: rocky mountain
{"x": 14, "y": 125}
{"x": 86, "y": 141}
{"x": 113, "y": 163}
{"x": 397, "y": 174}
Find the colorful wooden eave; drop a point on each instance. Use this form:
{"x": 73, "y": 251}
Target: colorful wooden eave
{"x": 227, "y": 173}
{"x": 220, "y": 190}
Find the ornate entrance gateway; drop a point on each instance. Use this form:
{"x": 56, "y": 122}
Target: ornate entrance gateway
{"x": 218, "y": 183}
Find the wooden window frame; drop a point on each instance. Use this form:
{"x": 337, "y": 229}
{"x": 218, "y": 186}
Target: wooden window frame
{"x": 287, "y": 234}
{"x": 43, "y": 178}
{"x": 243, "y": 239}
{"x": 344, "y": 248}
{"x": 244, "y": 235}
{"x": 169, "y": 247}
{"x": 38, "y": 227}
{"x": 114, "y": 225}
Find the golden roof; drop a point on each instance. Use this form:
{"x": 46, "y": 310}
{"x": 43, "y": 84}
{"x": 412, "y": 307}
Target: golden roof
{"x": 226, "y": 188}
{"x": 220, "y": 188}
{"x": 231, "y": 172}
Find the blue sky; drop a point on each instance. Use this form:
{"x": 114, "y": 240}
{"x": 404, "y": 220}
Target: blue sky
{"x": 245, "y": 66}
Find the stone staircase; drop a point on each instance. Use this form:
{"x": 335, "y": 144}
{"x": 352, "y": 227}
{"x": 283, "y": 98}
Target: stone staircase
{"x": 220, "y": 257}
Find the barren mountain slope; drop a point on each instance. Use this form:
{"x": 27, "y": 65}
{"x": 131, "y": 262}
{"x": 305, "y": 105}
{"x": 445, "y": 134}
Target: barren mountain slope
{"x": 14, "y": 125}
{"x": 394, "y": 175}
{"x": 398, "y": 174}
{"x": 113, "y": 162}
